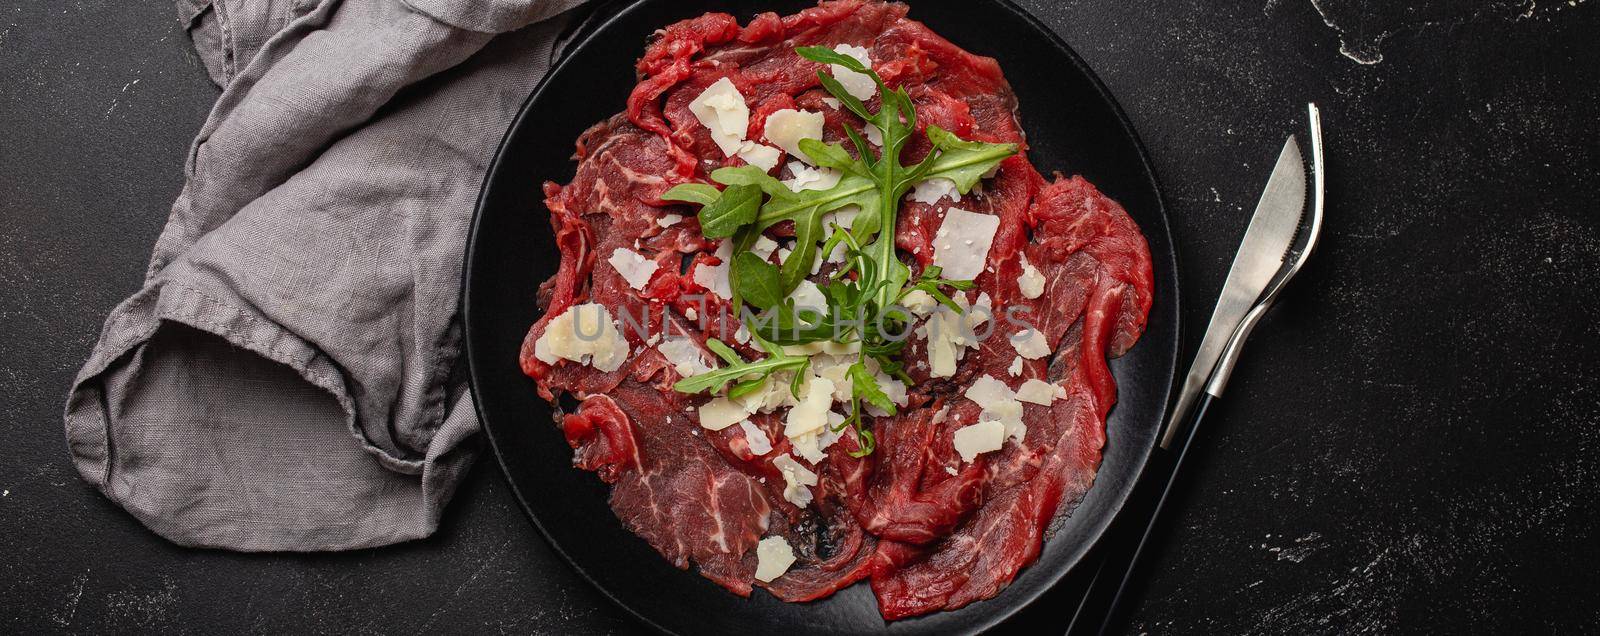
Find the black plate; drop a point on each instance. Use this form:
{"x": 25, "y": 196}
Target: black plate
{"x": 1073, "y": 125}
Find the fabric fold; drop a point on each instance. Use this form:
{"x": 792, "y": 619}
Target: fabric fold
{"x": 288, "y": 376}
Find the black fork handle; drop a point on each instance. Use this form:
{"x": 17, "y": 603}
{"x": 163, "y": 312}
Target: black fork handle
{"x": 1103, "y": 605}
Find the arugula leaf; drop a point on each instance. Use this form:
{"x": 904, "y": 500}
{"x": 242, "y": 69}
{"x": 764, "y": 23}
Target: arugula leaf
{"x": 702, "y": 193}
{"x": 865, "y": 386}
{"x": 827, "y": 55}
{"x": 723, "y": 351}
{"x": 752, "y": 175}
{"x": 832, "y": 156}
{"x": 964, "y": 162}
{"x": 931, "y": 284}
{"x": 798, "y": 381}
{"x": 736, "y": 208}
{"x": 758, "y": 280}
{"x": 806, "y": 209}
{"x": 746, "y": 387}
{"x": 893, "y": 368}
{"x": 715, "y": 380}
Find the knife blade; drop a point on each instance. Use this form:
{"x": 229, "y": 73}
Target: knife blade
{"x": 1261, "y": 254}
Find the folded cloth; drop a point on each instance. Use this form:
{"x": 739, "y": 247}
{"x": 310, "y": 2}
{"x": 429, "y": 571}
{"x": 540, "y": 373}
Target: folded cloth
{"x": 288, "y": 377}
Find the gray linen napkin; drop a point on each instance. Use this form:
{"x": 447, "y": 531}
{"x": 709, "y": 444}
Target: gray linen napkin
{"x": 288, "y": 377}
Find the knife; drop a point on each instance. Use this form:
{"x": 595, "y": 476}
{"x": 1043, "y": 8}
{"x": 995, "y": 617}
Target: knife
{"x": 1273, "y": 251}
{"x": 1266, "y": 242}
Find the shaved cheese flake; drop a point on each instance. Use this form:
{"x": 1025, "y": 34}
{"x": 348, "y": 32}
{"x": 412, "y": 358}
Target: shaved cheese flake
{"x": 755, "y": 438}
{"x": 669, "y": 220}
{"x": 721, "y": 109}
{"x": 919, "y": 302}
{"x": 634, "y": 267}
{"x": 835, "y": 369}
{"x": 808, "y": 447}
{"x": 715, "y": 277}
{"x": 773, "y": 395}
{"x": 808, "y": 296}
{"x": 858, "y": 85}
{"x": 584, "y": 334}
{"x": 1016, "y": 366}
{"x": 773, "y": 558}
{"x": 949, "y": 333}
{"x": 1030, "y": 282}
{"x": 973, "y": 315}
{"x": 961, "y": 247}
{"x": 873, "y": 134}
{"x": 999, "y": 403}
{"x": 720, "y": 413}
{"x": 989, "y": 393}
{"x": 788, "y": 126}
{"x": 809, "y": 178}
{"x": 1037, "y": 392}
{"x": 977, "y": 439}
{"x": 1030, "y": 344}
{"x": 796, "y": 479}
{"x": 764, "y": 247}
{"x": 685, "y": 356}
{"x": 932, "y": 190}
{"x": 812, "y": 411}
{"x": 831, "y": 102}
{"x": 942, "y": 349}
{"x": 895, "y": 389}
{"x": 760, "y": 155}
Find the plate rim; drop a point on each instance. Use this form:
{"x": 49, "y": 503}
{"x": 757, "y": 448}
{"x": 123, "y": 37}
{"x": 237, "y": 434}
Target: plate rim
{"x": 586, "y": 36}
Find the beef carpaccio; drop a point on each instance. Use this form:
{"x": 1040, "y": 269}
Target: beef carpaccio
{"x": 929, "y": 529}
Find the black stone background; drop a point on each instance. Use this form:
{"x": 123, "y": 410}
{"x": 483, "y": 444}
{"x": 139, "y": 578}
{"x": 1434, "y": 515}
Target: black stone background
{"x": 1409, "y": 444}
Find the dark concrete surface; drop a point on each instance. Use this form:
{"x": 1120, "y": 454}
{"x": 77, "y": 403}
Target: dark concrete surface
{"x": 1409, "y": 445}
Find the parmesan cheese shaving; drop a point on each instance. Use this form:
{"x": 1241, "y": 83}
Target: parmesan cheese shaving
{"x": 755, "y": 438}
{"x": 773, "y": 558}
{"x": 684, "y": 355}
{"x": 796, "y": 480}
{"x": 634, "y": 267}
{"x": 760, "y": 155}
{"x": 961, "y": 247}
{"x": 1036, "y": 391}
{"x": 1030, "y": 282}
{"x": 788, "y": 126}
{"x": 809, "y": 178}
{"x": 977, "y": 439}
{"x": 584, "y": 334}
{"x": 721, "y": 109}
{"x": 720, "y": 413}
{"x": 1030, "y": 344}
{"x": 932, "y": 190}
{"x": 812, "y": 411}
{"x": 858, "y": 85}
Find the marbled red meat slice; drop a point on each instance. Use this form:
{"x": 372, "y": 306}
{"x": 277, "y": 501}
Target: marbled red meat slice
{"x": 929, "y": 531}
{"x": 1082, "y": 242}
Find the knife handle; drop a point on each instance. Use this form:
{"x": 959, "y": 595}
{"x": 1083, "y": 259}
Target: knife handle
{"x": 1103, "y": 604}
